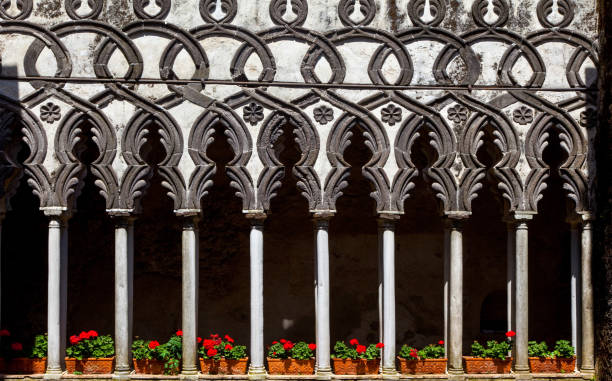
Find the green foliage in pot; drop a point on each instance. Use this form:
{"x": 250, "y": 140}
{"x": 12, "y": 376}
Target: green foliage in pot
{"x": 356, "y": 350}
{"x": 146, "y": 350}
{"x": 217, "y": 348}
{"x": 432, "y": 351}
{"x": 284, "y": 349}
{"x": 492, "y": 350}
{"x": 409, "y": 353}
{"x": 563, "y": 349}
{"x": 39, "y": 350}
{"x": 171, "y": 352}
{"x": 90, "y": 345}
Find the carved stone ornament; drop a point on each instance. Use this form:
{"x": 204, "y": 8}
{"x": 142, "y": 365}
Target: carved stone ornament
{"x": 50, "y": 113}
{"x": 253, "y": 113}
{"x": 458, "y": 114}
{"x": 323, "y": 114}
{"x": 588, "y": 118}
{"x": 391, "y": 115}
{"x": 523, "y": 115}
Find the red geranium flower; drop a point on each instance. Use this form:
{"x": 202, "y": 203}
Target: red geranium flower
{"x": 153, "y": 344}
{"x": 74, "y": 339}
{"x": 283, "y": 341}
{"x": 312, "y": 347}
{"x": 214, "y": 335}
{"x": 414, "y": 353}
{"x": 441, "y": 342}
{"x": 274, "y": 342}
{"x": 16, "y": 347}
{"x": 179, "y": 333}
{"x": 211, "y": 352}
{"x": 83, "y": 335}
{"x": 208, "y": 343}
{"x": 199, "y": 340}
{"x": 4, "y": 332}
{"x": 92, "y": 333}
{"x": 228, "y": 347}
{"x": 510, "y": 334}
{"x": 380, "y": 345}
{"x": 354, "y": 342}
{"x": 228, "y": 338}
{"x": 361, "y": 349}
{"x": 288, "y": 345}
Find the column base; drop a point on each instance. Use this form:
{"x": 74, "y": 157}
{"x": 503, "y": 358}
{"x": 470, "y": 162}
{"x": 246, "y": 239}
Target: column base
{"x": 53, "y": 374}
{"x": 257, "y": 373}
{"x": 189, "y": 375}
{"x": 390, "y": 374}
{"x": 122, "y": 375}
{"x": 521, "y": 370}
{"x": 323, "y": 373}
{"x": 588, "y": 374}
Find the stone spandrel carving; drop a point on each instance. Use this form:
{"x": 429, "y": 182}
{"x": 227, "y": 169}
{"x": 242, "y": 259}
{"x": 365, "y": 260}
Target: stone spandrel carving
{"x": 358, "y": 77}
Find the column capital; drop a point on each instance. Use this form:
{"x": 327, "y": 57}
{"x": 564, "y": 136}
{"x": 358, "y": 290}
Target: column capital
{"x": 387, "y": 221}
{"x": 520, "y": 216}
{"x": 60, "y": 213}
{"x": 257, "y": 219}
{"x": 321, "y": 220}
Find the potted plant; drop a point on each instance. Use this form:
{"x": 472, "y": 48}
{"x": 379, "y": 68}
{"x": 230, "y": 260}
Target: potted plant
{"x": 16, "y": 360}
{"x": 90, "y": 353}
{"x": 356, "y": 358}
{"x": 285, "y": 357}
{"x": 559, "y": 360}
{"x": 147, "y": 357}
{"x": 429, "y": 360}
{"x": 38, "y": 354}
{"x": 490, "y": 359}
{"x": 171, "y": 353}
{"x": 28, "y": 362}
{"x": 222, "y": 356}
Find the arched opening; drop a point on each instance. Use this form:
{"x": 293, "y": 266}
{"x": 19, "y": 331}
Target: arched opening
{"x": 157, "y": 252}
{"x": 419, "y": 260}
{"x": 23, "y": 257}
{"x": 550, "y": 254}
{"x": 90, "y": 272}
{"x": 288, "y": 263}
{"x": 354, "y": 253}
{"x": 484, "y": 247}
{"x": 224, "y": 252}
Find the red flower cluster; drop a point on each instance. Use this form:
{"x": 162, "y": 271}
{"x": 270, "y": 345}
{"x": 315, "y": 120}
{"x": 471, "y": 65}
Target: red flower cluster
{"x": 510, "y": 334}
{"x": 380, "y": 345}
{"x": 153, "y": 344}
{"x": 74, "y": 339}
{"x": 414, "y": 353}
{"x": 287, "y": 345}
{"x": 228, "y": 338}
{"x": 354, "y": 342}
{"x": 211, "y": 352}
{"x": 312, "y": 346}
{"x": 16, "y": 347}
{"x": 360, "y": 349}
{"x": 4, "y": 332}
{"x": 210, "y": 344}
{"x": 179, "y": 332}
{"x": 441, "y": 342}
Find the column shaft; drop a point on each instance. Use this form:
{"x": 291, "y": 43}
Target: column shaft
{"x": 257, "y": 368}
{"x": 575, "y": 288}
{"x": 191, "y": 265}
{"x": 388, "y": 252}
{"x": 455, "y": 345}
{"x": 446, "y": 286}
{"x": 380, "y": 284}
{"x": 57, "y": 293}
{"x": 588, "y": 340}
{"x": 510, "y": 279}
{"x": 521, "y": 361}
{"x": 322, "y": 298}
{"x": 124, "y": 274}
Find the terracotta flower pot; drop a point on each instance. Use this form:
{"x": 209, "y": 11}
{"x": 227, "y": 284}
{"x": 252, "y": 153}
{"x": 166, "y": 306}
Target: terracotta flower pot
{"x": 359, "y": 366}
{"x": 24, "y": 365}
{"x": 90, "y": 365}
{"x": 290, "y": 366}
{"x": 428, "y": 366}
{"x": 145, "y": 366}
{"x": 477, "y": 365}
{"x": 544, "y": 365}
{"x": 224, "y": 366}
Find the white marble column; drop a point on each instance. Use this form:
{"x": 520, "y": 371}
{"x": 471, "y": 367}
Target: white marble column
{"x": 57, "y": 292}
{"x": 124, "y": 279}
{"x": 575, "y": 289}
{"x": 510, "y": 281}
{"x": 190, "y": 270}
{"x": 455, "y": 334}
{"x": 521, "y": 358}
{"x": 387, "y": 223}
{"x": 257, "y": 368}
{"x": 587, "y": 364}
{"x": 323, "y": 362}
{"x": 380, "y": 285}
{"x": 447, "y": 234}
